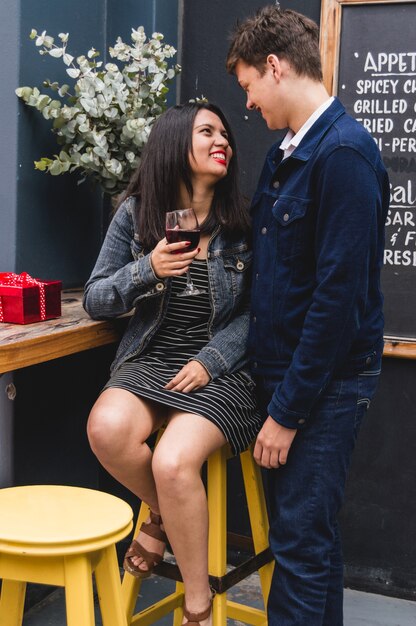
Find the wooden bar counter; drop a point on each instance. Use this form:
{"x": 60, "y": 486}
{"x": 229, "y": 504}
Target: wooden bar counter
{"x": 399, "y": 348}
{"x": 74, "y": 331}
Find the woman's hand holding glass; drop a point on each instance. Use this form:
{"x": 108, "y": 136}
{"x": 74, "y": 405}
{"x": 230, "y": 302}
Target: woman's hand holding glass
{"x": 166, "y": 261}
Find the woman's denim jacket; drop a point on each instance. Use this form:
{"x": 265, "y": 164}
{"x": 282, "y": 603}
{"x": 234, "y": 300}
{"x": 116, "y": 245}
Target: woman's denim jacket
{"x": 123, "y": 279}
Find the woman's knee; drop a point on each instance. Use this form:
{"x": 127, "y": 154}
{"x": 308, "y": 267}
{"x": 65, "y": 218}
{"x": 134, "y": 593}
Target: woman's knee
{"x": 107, "y": 428}
{"x": 173, "y": 471}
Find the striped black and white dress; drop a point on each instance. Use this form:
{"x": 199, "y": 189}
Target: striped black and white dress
{"x": 227, "y": 401}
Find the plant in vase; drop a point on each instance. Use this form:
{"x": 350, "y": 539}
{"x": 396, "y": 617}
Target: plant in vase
{"x": 103, "y": 121}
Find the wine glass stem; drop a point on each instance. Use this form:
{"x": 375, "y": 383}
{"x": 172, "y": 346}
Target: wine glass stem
{"x": 189, "y": 283}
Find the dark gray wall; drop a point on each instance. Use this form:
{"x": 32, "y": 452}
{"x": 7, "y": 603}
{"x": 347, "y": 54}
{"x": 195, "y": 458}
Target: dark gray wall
{"x": 379, "y": 516}
{"x": 58, "y": 222}
{"x": 153, "y": 15}
{"x": 206, "y": 28}
{"x": 51, "y": 227}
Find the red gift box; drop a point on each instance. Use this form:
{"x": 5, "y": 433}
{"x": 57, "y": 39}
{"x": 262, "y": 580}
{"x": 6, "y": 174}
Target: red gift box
{"x": 24, "y": 299}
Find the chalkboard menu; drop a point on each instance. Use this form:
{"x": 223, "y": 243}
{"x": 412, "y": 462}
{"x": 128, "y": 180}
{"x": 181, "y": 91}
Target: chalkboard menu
{"x": 369, "y": 57}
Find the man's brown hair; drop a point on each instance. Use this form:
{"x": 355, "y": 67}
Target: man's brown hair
{"x": 285, "y": 33}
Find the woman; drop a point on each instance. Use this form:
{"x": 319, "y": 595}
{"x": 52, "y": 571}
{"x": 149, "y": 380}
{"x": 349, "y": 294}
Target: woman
{"x": 181, "y": 358}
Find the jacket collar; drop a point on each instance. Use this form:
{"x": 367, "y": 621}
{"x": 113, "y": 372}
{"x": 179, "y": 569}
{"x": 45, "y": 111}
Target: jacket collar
{"x": 312, "y": 137}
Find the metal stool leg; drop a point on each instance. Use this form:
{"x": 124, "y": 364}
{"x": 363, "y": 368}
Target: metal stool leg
{"x": 12, "y": 602}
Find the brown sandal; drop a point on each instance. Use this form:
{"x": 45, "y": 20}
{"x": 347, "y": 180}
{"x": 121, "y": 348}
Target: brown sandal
{"x": 151, "y": 559}
{"x": 194, "y": 619}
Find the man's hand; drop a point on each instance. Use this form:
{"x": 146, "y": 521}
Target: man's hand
{"x": 273, "y": 444}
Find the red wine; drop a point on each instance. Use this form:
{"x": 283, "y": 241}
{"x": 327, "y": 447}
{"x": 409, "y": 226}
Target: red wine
{"x": 177, "y": 234}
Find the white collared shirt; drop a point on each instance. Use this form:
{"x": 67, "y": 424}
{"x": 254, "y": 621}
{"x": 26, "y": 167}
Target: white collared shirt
{"x": 291, "y": 141}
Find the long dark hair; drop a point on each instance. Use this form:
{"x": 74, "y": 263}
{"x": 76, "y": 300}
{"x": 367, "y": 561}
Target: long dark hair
{"x": 165, "y": 162}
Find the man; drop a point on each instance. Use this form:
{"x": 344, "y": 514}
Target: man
{"x": 316, "y": 336}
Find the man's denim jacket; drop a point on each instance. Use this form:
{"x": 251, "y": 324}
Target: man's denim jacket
{"x": 318, "y": 226}
{"x": 123, "y": 279}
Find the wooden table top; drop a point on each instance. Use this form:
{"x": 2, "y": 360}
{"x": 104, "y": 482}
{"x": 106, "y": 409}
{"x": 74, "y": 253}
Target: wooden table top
{"x": 399, "y": 348}
{"x": 74, "y": 331}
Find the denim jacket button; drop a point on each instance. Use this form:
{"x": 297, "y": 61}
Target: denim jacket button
{"x": 263, "y": 230}
{"x": 286, "y": 217}
{"x": 301, "y": 421}
{"x": 368, "y": 360}
{"x": 240, "y": 265}
{"x": 160, "y": 286}
{"x": 276, "y": 184}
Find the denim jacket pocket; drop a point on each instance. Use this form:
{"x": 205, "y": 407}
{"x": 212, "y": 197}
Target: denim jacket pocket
{"x": 237, "y": 271}
{"x": 290, "y": 215}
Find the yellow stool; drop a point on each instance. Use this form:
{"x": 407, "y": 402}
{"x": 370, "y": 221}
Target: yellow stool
{"x": 220, "y": 580}
{"x": 59, "y": 536}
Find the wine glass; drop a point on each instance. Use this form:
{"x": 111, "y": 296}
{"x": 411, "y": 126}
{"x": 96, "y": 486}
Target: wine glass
{"x": 183, "y": 225}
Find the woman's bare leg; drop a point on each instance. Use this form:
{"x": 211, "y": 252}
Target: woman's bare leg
{"x": 118, "y": 427}
{"x": 185, "y": 445}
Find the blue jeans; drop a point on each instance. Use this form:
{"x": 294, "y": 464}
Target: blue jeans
{"x": 305, "y": 497}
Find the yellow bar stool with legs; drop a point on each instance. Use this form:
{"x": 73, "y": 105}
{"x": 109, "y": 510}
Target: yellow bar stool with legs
{"x": 57, "y": 535}
{"x": 220, "y": 579}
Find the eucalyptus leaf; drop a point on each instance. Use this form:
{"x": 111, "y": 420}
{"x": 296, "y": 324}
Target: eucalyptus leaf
{"x": 42, "y": 101}
{"x": 73, "y": 72}
{"x": 103, "y": 121}
{"x": 56, "y": 52}
{"x": 23, "y": 92}
{"x": 55, "y": 168}
{"x": 101, "y": 152}
{"x": 43, "y": 164}
{"x": 68, "y": 59}
{"x": 63, "y": 90}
